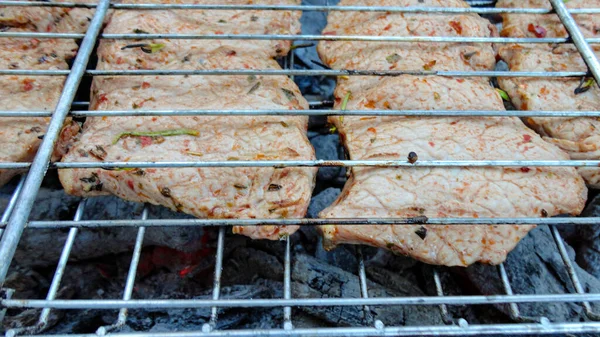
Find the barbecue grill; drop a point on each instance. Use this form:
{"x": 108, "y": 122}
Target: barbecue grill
{"x": 16, "y": 216}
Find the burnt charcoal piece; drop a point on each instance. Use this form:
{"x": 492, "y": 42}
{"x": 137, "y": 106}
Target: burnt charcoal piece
{"x": 536, "y": 267}
{"x": 314, "y": 279}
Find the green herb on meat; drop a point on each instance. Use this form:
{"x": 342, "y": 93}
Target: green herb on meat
{"x": 139, "y": 31}
{"x": 584, "y": 85}
{"x": 503, "y": 94}
{"x": 345, "y": 103}
{"x": 166, "y": 133}
{"x": 393, "y": 58}
{"x": 148, "y": 48}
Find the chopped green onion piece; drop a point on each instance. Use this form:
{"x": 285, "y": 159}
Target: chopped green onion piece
{"x": 152, "y": 48}
{"x": 503, "y": 94}
{"x": 585, "y": 85}
{"x": 165, "y": 133}
{"x": 345, "y": 101}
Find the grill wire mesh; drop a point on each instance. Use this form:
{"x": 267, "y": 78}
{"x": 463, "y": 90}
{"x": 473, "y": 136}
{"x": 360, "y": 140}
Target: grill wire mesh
{"x": 15, "y": 216}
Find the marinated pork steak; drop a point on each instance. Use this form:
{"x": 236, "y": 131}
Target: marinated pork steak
{"x": 439, "y": 192}
{"x": 547, "y": 25}
{"x": 203, "y": 192}
{"x": 47, "y": 19}
{"x": 22, "y": 136}
{"x": 392, "y": 55}
{"x": 580, "y": 137}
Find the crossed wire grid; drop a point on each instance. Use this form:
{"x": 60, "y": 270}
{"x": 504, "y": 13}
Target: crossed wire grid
{"x": 15, "y": 216}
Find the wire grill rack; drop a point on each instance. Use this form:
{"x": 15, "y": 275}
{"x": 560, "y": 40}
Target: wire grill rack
{"x": 15, "y": 217}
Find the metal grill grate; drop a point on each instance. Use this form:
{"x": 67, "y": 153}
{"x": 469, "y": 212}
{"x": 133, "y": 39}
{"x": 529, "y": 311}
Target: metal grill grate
{"x": 15, "y": 217}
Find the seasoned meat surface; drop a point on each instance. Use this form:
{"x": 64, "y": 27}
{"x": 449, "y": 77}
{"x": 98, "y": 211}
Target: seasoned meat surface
{"x": 21, "y": 136}
{"x": 577, "y": 136}
{"x": 547, "y": 25}
{"x": 439, "y": 192}
{"x": 398, "y": 56}
{"x": 248, "y": 192}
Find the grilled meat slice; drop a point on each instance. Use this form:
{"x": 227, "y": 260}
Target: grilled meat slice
{"x": 546, "y": 25}
{"x": 398, "y": 56}
{"x": 445, "y": 192}
{"x": 248, "y": 192}
{"x": 437, "y": 192}
{"x": 47, "y": 19}
{"x": 580, "y": 137}
{"x": 21, "y": 135}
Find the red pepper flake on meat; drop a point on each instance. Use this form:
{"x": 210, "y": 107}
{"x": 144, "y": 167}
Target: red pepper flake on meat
{"x": 429, "y": 65}
{"x": 373, "y": 130}
{"x": 145, "y": 85}
{"x": 329, "y": 33}
{"x": 370, "y": 105}
{"x": 527, "y": 138}
{"x": 456, "y": 26}
{"x": 145, "y": 141}
{"x": 525, "y": 169}
{"x": 539, "y": 31}
{"x": 130, "y": 184}
{"x": 102, "y": 98}
{"x": 388, "y": 27}
{"x": 27, "y": 84}
{"x": 231, "y": 53}
{"x": 432, "y": 144}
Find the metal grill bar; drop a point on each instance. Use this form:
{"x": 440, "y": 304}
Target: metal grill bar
{"x": 306, "y": 8}
{"x": 287, "y": 285}
{"x": 315, "y": 112}
{"x": 11, "y": 205}
{"x": 364, "y": 291}
{"x": 576, "y": 35}
{"x": 542, "y": 326}
{"x": 212, "y": 323}
{"x": 412, "y": 39}
{"x": 56, "y": 280}
{"x": 25, "y": 200}
{"x": 296, "y": 72}
{"x": 572, "y": 273}
{"x": 129, "y": 283}
{"x": 317, "y": 163}
{"x": 446, "y": 317}
{"x": 471, "y": 330}
{"x": 298, "y": 302}
{"x": 313, "y": 222}
{"x": 515, "y": 313}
